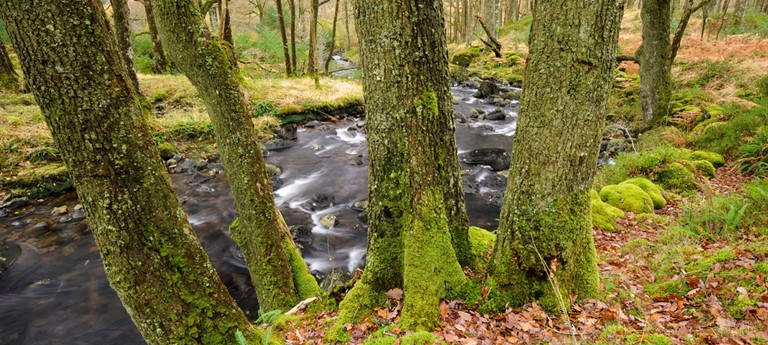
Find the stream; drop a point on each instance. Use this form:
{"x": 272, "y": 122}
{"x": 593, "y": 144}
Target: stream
{"x": 55, "y": 291}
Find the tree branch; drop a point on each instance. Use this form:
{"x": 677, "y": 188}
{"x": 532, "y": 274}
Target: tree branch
{"x": 681, "y": 28}
{"x": 206, "y": 5}
{"x": 494, "y": 44}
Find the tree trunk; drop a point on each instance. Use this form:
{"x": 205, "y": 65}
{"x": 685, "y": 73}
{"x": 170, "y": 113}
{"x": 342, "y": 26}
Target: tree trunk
{"x": 150, "y": 253}
{"x": 469, "y": 27}
{"x": 9, "y": 80}
{"x": 545, "y": 231}
{"x": 491, "y": 16}
{"x": 346, "y": 25}
{"x": 281, "y": 20}
{"x": 121, "y": 16}
{"x": 416, "y": 206}
{"x": 312, "y": 63}
{"x": 292, "y": 4}
{"x": 213, "y": 15}
{"x": 333, "y": 38}
{"x": 261, "y": 231}
{"x": 739, "y": 10}
{"x": 160, "y": 65}
{"x": 655, "y": 68}
{"x": 225, "y": 33}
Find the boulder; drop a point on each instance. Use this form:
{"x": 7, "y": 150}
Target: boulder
{"x": 328, "y": 221}
{"x": 301, "y": 233}
{"x": 497, "y": 158}
{"x": 320, "y": 201}
{"x": 487, "y": 89}
{"x": 336, "y": 280}
{"x": 649, "y": 188}
{"x": 603, "y": 215}
{"x": 677, "y": 177}
{"x": 496, "y": 115}
{"x": 627, "y": 197}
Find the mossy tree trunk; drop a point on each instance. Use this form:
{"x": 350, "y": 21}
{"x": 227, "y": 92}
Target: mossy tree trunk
{"x": 328, "y": 58}
{"x": 314, "y": 8}
{"x": 150, "y": 253}
{"x": 121, "y": 17}
{"x": 160, "y": 64}
{"x": 545, "y": 228}
{"x": 262, "y": 232}
{"x": 292, "y": 5}
{"x": 655, "y": 62}
{"x": 418, "y": 228}
{"x": 9, "y": 80}
{"x": 491, "y": 15}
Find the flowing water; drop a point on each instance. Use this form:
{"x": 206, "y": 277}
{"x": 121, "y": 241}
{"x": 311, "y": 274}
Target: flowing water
{"x": 56, "y": 291}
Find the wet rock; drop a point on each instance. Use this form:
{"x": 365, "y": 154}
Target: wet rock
{"x": 273, "y": 170}
{"x": 461, "y": 118}
{"x": 3, "y": 213}
{"x": 363, "y": 217}
{"x": 277, "y": 182}
{"x": 494, "y": 182}
{"x": 320, "y": 201}
{"x": 496, "y": 198}
{"x": 328, "y": 221}
{"x": 301, "y": 233}
{"x": 78, "y": 215}
{"x": 487, "y": 89}
{"x": 497, "y": 158}
{"x": 57, "y": 211}
{"x": 196, "y": 178}
{"x": 204, "y": 189}
{"x": 336, "y": 280}
{"x": 475, "y": 113}
{"x": 496, "y": 115}
{"x": 9, "y": 252}
{"x": 288, "y": 132}
{"x": 185, "y": 166}
{"x": 512, "y": 95}
{"x": 613, "y": 147}
{"x": 470, "y": 186}
{"x": 360, "y": 205}
{"x": 278, "y": 144}
{"x": 613, "y": 131}
{"x": 360, "y": 124}
{"x": 65, "y": 219}
{"x": 473, "y": 83}
{"x": 352, "y": 129}
{"x": 313, "y": 124}
{"x": 16, "y": 204}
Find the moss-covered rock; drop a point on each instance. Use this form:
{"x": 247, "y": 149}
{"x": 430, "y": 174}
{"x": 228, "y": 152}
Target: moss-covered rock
{"x": 706, "y": 168}
{"x": 465, "y": 57}
{"x": 603, "y": 215}
{"x": 458, "y": 73}
{"x": 627, "y": 197}
{"x": 649, "y": 188}
{"x": 715, "y": 158}
{"x": 677, "y": 177}
{"x": 661, "y": 136}
{"x": 167, "y": 150}
{"x": 482, "y": 247}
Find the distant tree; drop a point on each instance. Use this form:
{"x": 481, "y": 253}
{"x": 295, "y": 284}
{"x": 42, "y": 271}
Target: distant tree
{"x": 544, "y": 248}
{"x": 121, "y": 17}
{"x": 160, "y": 61}
{"x": 418, "y": 226}
{"x": 150, "y": 253}
{"x": 292, "y": 5}
{"x": 284, "y": 37}
{"x": 9, "y": 80}
{"x": 657, "y": 54}
{"x": 333, "y": 38}
{"x": 491, "y": 15}
{"x": 273, "y": 260}
{"x": 314, "y": 8}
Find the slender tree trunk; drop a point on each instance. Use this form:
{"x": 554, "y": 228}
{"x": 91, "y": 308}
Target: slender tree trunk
{"x": 491, "y": 16}
{"x": 121, "y": 16}
{"x": 312, "y": 63}
{"x": 160, "y": 65}
{"x": 213, "y": 16}
{"x": 333, "y": 38}
{"x": 469, "y": 27}
{"x": 292, "y": 4}
{"x": 346, "y": 25}
{"x": 9, "y": 80}
{"x": 260, "y": 232}
{"x": 739, "y": 10}
{"x": 281, "y": 20}
{"x": 545, "y": 232}
{"x": 655, "y": 68}
{"x": 414, "y": 179}
{"x": 723, "y": 19}
{"x": 150, "y": 253}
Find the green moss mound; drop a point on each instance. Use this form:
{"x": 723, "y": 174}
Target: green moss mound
{"x": 167, "y": 150}
{"x": 676, "y": 177}
{"x": 482, "y": 247}
{"x": 715, "y": 158}
{"x": 649, "y": 188}
{"x": 706, "y": 168}
{"x": 659, "y": 137}
{"x": 627, "y": 197}
{"x": 465, "y": 57}
{"x": 603, "y": 215}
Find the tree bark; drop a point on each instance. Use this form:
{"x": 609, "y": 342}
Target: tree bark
{"x": 314, "y": 7}
{"x": 292, "y": 4}
{"x": 655, "y": 65}
{"x": 346, "y": 24}
{"x": 260, "y": 232}
{"x": 160, "y": 65}
{"x": 544, "y": 238}
{"x": 283, "y": 37}
{"x": 121, "y": 15}
{"x": 418, "y": 227}
{"x": 469, "y": 28}
{"x": 491, "y": 16}
{"x": 739, "y": 10}
{"x": 333, "y": 38}
{"x": 150, "y": 253}
{"x": 9, "y": 80}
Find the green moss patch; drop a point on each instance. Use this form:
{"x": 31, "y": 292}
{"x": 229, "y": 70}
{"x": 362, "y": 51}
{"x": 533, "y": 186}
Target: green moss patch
{"x": 676, "y": 177}
{"x": 603, "y": 215}
{"x": 649, "y": 188}
{"x": 627, "y": 197}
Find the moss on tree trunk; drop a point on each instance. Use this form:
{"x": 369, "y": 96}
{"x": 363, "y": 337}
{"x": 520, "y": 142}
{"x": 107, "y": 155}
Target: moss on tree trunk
{"x": 151, "y": 255}
{"x": 121, "y": 17}
{"x": 9, "y": 80}
{"x": 418, "y": 228}
{"x": 545, "y": 226}
{"x": 261, "y": 229}
{"x": 160, "y": 64}
{"x": 655, "y": 61}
